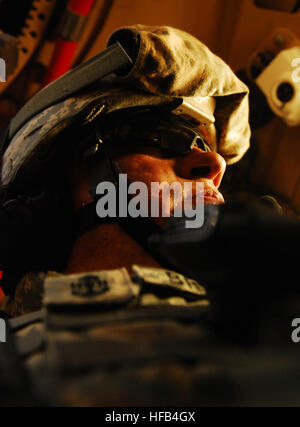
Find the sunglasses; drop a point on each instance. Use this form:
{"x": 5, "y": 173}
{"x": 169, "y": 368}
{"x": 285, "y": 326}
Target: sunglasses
{"x": 172, "y": 134}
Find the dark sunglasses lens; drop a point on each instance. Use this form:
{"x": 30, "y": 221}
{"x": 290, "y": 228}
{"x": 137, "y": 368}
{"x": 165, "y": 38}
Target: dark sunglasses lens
{"x": 170, "y": 133}
{"x": 201, "y": 143}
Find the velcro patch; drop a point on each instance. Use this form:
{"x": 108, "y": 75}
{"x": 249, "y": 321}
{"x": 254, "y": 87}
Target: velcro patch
{"x": 89, "y": 289}
{"x": 167, "y": 280}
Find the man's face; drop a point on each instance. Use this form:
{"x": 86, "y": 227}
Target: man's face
{"x": 146, "y": 162}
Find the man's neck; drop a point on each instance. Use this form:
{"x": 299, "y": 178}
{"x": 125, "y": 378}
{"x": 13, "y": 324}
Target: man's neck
{"x": 106, "y": 247}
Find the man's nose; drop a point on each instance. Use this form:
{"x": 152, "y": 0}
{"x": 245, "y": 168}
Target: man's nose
{"x": 201, "y": 164}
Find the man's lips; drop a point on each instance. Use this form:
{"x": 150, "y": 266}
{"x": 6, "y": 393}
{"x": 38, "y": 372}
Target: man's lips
{"x": 207, "y": 195}
{"x": 210, "y": 195}
{"x": 213, "y": 196}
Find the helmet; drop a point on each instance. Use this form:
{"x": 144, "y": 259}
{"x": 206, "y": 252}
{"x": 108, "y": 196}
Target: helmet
{"x": 170, "y": 69}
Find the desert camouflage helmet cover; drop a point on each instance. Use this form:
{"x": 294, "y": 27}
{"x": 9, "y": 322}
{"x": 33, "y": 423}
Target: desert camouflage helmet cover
{"x": 170, "y": 64}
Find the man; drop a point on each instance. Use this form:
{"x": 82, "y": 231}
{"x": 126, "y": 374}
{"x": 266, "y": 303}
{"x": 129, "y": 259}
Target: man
{"x": 173, "y": 74}
{"x": 124, "y": 321}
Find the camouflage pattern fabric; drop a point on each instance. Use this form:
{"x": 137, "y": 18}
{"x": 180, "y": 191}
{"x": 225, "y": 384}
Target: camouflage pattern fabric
{"x": 100, "y": 319}
{"x": 28, "y": 296}
{"x": 98, "y": 344}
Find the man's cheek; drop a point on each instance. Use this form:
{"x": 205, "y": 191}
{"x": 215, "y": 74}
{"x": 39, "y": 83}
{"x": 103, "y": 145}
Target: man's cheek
{"x": 145, "y": 169}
